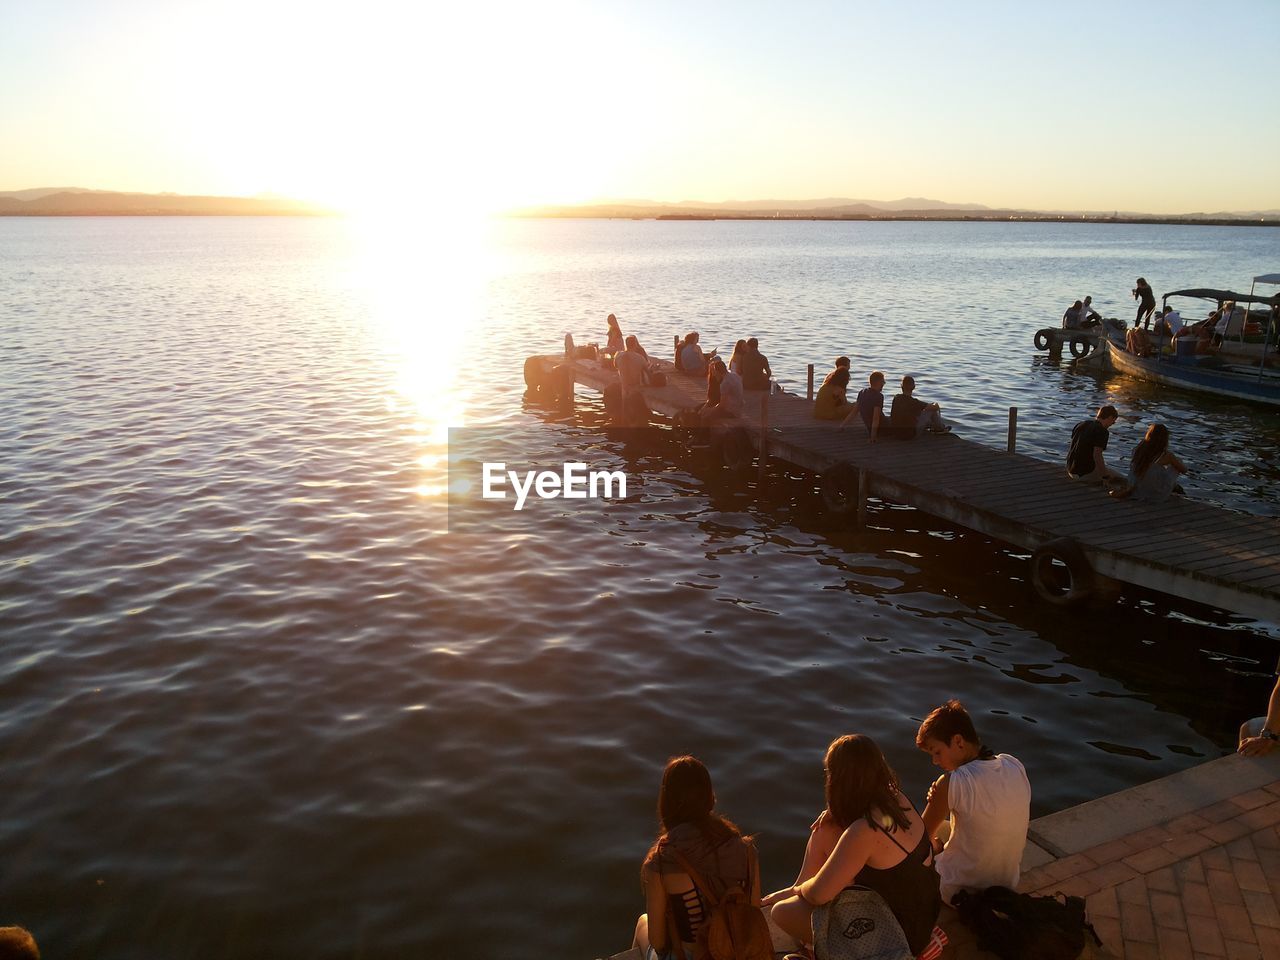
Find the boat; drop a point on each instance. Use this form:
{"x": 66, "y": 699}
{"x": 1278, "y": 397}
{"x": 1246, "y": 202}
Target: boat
{"x": 1202, "y": 373}
{"x": 1251, "y": 330}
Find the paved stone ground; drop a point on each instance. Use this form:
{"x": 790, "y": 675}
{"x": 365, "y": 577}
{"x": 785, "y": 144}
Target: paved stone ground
{"x": 1184, "y": 867}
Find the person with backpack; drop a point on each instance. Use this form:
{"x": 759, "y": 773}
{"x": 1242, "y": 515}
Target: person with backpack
{"x": 870, "y": 837}
{"x": 985, "y": 797}
{"x": 701, "y": 877}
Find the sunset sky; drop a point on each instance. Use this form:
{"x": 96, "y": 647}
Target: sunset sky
{"x": 1158, "y": 107}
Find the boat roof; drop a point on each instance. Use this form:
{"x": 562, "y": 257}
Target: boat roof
{"x": 1204, "y": 293}
{"x": 1272, "y": 278}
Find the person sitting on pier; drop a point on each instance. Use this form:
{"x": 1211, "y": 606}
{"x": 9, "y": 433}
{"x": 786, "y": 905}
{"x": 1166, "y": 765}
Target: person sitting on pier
{"x": 1088, "y": 440}
{"x": 727, "y": 387}
{"x": 869, "y": 835}
{"x": 1259, "y": 736}
{"x": 1089, "y": 317}
{"x": 17, "y": 943}
{"x": 1072, "y": 319}
{"x": 614, "y": 342}
{"x": 735, "y": 358}
{"x": 689, "y": 356}
{"x": 986, "y": 799}
{"x": 831, "y": 403}
{"x": 1153, "y": 470}
{"x": 692, "y": 834}
{"x": 908, "y": 417}
{"x": 870, "y": 405}
{"x": 755, "y": 371}
{"x": 633, "y": 367}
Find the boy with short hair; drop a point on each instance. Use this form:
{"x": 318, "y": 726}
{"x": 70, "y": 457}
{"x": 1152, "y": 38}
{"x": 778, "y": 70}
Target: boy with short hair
{"x": 869, "y": 405}
{"x": 985, "y": 796}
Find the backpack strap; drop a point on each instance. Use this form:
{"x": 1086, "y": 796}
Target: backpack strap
{"x": 695, "y": 876}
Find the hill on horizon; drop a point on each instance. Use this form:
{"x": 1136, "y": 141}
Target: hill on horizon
{"x": 82, "y": 202}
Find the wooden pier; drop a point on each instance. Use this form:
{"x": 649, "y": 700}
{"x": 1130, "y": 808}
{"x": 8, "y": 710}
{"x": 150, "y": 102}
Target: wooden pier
{"x": 1078, "y": 535}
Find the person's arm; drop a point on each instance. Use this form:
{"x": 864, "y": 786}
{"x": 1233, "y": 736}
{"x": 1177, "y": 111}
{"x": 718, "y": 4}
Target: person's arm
{"x": 1261, "y": 746}
{"x": 1176, "y": 463}
{"x": 755, "y": 874}
{"x": 937, "y": 809}
{"x": 655, "y": 905}
{"x": 875, "y": 429}
{"x": 849, "y": 856}
{"x": 1101, "y": 467}
{"x": 823, "y": 836}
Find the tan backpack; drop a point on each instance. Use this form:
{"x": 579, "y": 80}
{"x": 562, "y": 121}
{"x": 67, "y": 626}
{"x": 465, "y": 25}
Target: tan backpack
{"x": 735, "y": 929}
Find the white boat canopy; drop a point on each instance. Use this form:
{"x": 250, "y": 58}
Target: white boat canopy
{"x": 1271, "y": 278}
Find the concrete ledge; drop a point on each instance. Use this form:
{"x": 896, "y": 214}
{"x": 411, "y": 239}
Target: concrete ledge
{"x": 1137, "y": 808}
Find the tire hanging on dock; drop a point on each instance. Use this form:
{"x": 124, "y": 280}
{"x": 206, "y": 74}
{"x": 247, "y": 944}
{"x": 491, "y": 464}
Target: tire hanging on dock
{"x": 733, "y": 446}
{"x": 560, "y": 383}
{"x": 839, "y": 488}
{"x": 535, "y": 374}
{"x": 1042, "y": 339}
{"x": 612, "y": 398}
{"x": 1060, "y": 573}
{"x": 635, "y": 411}
{"x": 1080, "y": 348}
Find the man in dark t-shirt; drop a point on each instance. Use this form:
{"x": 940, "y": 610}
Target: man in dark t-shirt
{"x": 1088, "y": 440}
{"x": 909, "y": 416}
{"x": 870, "y": 405}
{"x": 755, "y": 367}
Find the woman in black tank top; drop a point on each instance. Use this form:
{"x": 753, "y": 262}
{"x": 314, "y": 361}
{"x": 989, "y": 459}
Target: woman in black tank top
{"x": 869, "y": 835}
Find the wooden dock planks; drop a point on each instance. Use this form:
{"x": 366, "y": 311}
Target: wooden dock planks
{"x": 1190, "y": 549}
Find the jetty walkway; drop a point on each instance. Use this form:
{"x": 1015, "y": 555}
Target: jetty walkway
{"x": 1078, "y": 536}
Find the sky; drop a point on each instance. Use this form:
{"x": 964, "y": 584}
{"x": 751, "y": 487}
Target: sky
{"x": 449, "y": 107}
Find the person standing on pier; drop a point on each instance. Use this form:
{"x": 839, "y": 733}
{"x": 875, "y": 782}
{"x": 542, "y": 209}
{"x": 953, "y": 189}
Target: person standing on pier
{"x": 1261, "y": 735}
{"x": 1088, "y": 440}
{"x": 614, "y": 343}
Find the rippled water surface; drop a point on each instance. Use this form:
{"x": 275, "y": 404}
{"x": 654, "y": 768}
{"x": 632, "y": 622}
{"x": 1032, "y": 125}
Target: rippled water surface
{"x": 256, "y": 702}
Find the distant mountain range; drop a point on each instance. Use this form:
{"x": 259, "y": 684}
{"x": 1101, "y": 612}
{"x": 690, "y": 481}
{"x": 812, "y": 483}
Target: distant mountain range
{"x": 844, "y": 208}
{"x": 79, "y": 202}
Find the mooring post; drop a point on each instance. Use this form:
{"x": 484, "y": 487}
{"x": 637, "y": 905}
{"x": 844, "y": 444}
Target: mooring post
{"x": 1013, "y": 428}
{"x": 862, "y": 500}
{"x": 811, "y": 381}
{"x": 764, "y": 440}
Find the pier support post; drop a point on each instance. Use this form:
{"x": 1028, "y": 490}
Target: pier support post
{"x": 1013, "y": 429}
{"x": 764, "y": 441}
{"x": 861, "y": 521}
{"x": 811, "y": 381}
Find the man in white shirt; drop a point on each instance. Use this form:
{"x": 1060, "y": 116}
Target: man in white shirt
{"x": 985, "y": 797}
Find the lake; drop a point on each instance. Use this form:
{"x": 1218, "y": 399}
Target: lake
{"x": 257, "y": 701}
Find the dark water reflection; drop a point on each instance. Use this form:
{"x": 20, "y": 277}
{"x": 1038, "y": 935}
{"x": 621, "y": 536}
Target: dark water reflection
{"x": 255, "y": 701}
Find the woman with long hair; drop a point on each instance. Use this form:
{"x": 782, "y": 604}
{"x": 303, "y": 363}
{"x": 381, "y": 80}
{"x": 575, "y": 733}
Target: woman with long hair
{"x": 1146, "y": 298}
{"x": 736, "y": 357}
{"x": 614, "y": 344}
{"x": 869, "y": 835}
{"x": 1153, "y": 469}
{"x": 675, "y": 908}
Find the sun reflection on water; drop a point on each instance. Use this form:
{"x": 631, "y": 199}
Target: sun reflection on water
{"x": 423, "y": 277}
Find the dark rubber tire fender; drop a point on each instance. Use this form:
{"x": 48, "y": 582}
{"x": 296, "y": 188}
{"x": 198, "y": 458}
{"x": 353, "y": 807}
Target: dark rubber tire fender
{"x": 1080, "y": 348}
{"x": 734, "y": 447}
{"x": 1043, "y": 339}
{"x": 535, "y": 374}
{"x": 1060, "y": 573}
{"x": 560, "y": 382}
{"x": 839, "y": 488}
{"x": 635, "y": 412}
{"x": 613, "y": 401}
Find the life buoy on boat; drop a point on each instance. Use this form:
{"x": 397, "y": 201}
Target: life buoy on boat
{"x": 535, "y": 374}
{"x": 1079, "y": 347}
{"x": 734, "y": 447}
{"x": 1043, "y": 339}
{"x": 839, "y": 488}
{"x": 1060, "y": 573}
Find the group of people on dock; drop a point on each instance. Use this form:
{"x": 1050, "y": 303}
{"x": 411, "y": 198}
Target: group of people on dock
{"x": 908, "y": 416}
{"x": 969, "y": 836}
{"x": 1153, "y": 469}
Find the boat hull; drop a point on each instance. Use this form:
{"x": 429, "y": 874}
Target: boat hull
{"x": 1192, "y": 376}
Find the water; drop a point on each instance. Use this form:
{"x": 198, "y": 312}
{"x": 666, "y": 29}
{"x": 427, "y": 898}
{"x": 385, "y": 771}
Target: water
{"x": 255, "y": 702}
